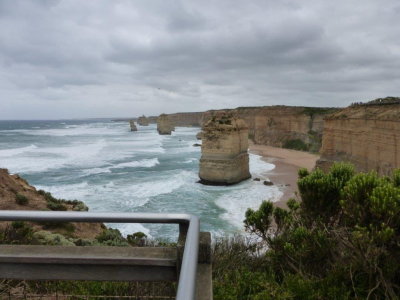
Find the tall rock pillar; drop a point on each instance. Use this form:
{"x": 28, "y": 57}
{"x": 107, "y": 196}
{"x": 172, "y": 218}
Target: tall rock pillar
{"x": 133, "y": 125}
{"x": 164, "y": 124}
{"x": 224, "y": 158}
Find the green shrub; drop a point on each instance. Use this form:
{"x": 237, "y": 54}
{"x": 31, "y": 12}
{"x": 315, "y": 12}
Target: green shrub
{"x": 296, "y": 144}
{"x": 56, "y": 205}
{"x": 47, "y": 238}
{"x": 21, "y": 199}
{"x": 136, "y": 239}
{"x": 111, "y": 237}
{"x": 341, "y": 242}
{"x": 18, "y": 232}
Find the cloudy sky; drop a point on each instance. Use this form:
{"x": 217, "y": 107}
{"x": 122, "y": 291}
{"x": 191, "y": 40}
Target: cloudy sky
{"x": 110, "y": 58}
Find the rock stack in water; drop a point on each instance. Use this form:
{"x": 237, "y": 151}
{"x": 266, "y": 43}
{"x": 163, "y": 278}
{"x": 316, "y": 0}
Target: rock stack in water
{"x": 164, "y": 125}
{"x": 224, "y": 158}
{"x": 143, "y": 121}
{"x": 133, "y": 125}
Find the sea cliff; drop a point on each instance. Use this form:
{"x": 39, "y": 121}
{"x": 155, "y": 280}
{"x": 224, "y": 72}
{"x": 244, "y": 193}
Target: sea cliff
{"x": 279, "y": 126}
{"x": 367, "y": 135}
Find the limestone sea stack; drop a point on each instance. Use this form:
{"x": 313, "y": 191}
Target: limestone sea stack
{"x": 224, "y": 158}
{"x": 143, "y": 121}
{"x": 133, "y": 125}
{"x": 164, "y": 125}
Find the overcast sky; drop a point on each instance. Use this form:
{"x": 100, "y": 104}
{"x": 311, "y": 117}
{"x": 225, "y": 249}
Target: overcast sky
{"x": 110, "y": 58}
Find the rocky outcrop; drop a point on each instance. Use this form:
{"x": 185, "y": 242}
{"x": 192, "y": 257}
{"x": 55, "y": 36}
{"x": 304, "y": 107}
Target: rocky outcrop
{"x": 366, "y": 135}
{"x": 133, "y": 125}
{"x": 164, "y": 124}
{"x": 17, "y": 194}
{"x": 224, "y": 158}
{"x": 143, "y": 121}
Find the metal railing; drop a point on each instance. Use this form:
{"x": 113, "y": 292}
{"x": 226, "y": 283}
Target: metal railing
{"x": 189, "y": 226}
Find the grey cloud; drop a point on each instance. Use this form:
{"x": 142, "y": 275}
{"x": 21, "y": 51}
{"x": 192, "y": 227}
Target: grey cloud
{"x": 116, "y": 57}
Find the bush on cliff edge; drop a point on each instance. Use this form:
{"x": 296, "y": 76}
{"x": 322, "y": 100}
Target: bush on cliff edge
{"x": 342, "y": 241}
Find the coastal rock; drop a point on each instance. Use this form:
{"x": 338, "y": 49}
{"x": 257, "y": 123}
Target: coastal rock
{"x": 133, "y": 125}
{"x": 198, "y": 135}
{"x": 14, "y": 189}
{"x": 267, "y": 182}
{"x": 164, "y": 125}
{"x": 143, "y": 121}
{"x": 367, "y": 136}
{"x": 196, "y": 145}
{"x": 224, "y": 158}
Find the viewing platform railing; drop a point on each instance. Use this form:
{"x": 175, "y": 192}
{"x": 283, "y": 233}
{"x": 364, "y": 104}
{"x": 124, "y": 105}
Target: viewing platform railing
{"x": 111, "y": 263}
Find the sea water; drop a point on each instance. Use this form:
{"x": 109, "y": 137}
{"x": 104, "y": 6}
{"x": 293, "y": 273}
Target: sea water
{"x": 113, "y": 169}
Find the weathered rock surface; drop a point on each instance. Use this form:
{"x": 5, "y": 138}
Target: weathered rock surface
{"x": 13, "y": 186}
{"x": 187, "y": 119}
{"x": 366, "y": 135}
{"x": 224, "y": 158}
{"x": 278, "y": 126}
{"x": 133, "y": 125}
{"x": 198, "y": 136}
{"x": 164, "y": 124}
{"x": 143, "y": 121}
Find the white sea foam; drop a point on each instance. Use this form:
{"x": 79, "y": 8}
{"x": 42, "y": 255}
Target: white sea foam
{"x": 143, "y": 163}
{"x": 258, "y": 166}
{"x": 16, "y": 151}
{"x": 190, "y": 160}
{"x": 248, "y": 194}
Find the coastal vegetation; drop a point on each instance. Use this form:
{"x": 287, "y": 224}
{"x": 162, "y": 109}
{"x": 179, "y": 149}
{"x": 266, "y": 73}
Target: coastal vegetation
{"x": 342, "y": 241}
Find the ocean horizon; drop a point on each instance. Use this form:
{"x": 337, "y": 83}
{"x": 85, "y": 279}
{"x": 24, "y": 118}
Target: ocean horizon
{"x": 112, "y": 169}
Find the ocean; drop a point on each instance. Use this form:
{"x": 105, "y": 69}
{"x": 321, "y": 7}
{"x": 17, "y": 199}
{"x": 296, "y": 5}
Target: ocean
{"x": 113, "y": 169}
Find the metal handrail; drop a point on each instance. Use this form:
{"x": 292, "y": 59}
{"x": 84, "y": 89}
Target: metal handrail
{"x": 188, "y": 223}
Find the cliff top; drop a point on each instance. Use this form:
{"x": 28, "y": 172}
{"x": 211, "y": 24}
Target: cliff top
{"x": 224, "y": 121}
{"x": 379, "y": 101}
{"x": 378, "y": 109}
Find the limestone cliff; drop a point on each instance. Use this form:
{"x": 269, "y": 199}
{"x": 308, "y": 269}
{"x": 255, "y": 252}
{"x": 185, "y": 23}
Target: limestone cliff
{"x": 283, "y": 126}
{"x": 133, "y": 125}
{"x": 279, "y": 126}
{"x": 224, "y": 157}
{"x": 187, "y": 119}
{"x": 164, "y": 124}
{"x": 143, "y": 121}
{"x": 366, "y": 135}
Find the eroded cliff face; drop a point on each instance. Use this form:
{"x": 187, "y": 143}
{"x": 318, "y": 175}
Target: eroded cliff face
{"x": 164, "y": 124}
{"x": 367, "y": 136}
{"x": 132, "y": 125}
{"x": 224, "y": 157}
{"x": 187, "y": 119}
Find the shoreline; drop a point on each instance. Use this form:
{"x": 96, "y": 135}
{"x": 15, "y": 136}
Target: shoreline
{"x": 287, "y": 163}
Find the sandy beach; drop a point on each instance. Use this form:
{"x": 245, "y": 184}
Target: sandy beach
{"x": 287, "y": 163}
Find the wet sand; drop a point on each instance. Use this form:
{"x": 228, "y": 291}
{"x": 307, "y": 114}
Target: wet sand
{"x": 287, "y": 163}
